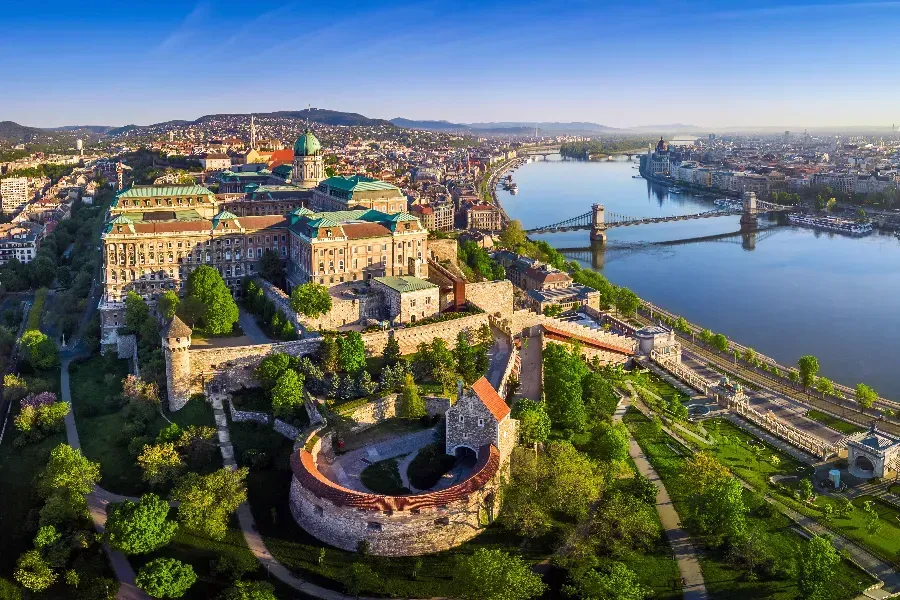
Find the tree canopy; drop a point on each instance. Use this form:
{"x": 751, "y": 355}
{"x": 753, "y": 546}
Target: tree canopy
{"x": 138, "y": 528}
{"x": 809, "y": 367}
{"x": 352, "y": 352}
{"x": 865, "y": 396}
{"x": 489, "y": 574}
{"x": 219, "y": 312}
{"x": 208, "y": 501}
{"x": 816, "y": 567}
{"x": 534, "y": 422}
{"x": 166, "y": 578}
{"x": 563, "y": 372}
{"x": 311, "y": 299}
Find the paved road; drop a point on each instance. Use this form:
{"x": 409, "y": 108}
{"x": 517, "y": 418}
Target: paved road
{"x": 694, "y": 587}
{"x": 251, "y": 329}
{"x": 765, "y": 400}
{"x": 532, "y": 370}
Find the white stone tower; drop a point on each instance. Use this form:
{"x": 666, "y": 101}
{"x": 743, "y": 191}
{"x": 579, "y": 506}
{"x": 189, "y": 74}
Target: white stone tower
{"x": 176, "y": 341}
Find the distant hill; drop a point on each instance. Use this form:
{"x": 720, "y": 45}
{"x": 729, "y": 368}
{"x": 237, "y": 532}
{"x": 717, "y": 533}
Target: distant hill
{"x": 12, "y": 132}
{"x": 430, "y": 125}
{"x": 555, "y": 126}
{"x": 668, "y": 128}
{"x": 100, "y": 129}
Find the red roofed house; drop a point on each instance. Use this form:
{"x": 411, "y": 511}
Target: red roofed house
{"x": 480, "y": 417}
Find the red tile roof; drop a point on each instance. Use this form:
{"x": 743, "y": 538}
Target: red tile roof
{"x": 565, "y": 336}
{"x": 281, "y": 157}
{"x": 358, "y": 231}
{"x": 308, "y": 475}
{"x": 491, "y": 399}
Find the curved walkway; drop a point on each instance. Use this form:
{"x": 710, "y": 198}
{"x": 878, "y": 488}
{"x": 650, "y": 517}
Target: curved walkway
{"x": 694, "y": 586}
{"x": 99, "y": 498}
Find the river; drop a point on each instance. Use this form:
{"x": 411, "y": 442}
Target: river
{"x": 785, "y": 291}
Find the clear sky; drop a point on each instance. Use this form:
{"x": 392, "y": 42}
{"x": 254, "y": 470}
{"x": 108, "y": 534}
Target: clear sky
{"x": 799, "y": 63}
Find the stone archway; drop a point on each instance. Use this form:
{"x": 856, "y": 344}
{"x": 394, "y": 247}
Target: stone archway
{"x": 864, "y": 464}
{"x": 465, "y": 455}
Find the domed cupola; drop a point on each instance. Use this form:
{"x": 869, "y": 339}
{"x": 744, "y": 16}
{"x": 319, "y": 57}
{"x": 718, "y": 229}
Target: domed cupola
{"x": 307, "y": 145}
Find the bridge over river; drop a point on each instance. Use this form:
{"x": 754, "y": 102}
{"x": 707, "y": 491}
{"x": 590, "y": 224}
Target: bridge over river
{"x": 597, "y": 221}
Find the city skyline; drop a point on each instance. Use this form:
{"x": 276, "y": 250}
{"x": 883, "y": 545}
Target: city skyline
{"x": 762, "y": 64}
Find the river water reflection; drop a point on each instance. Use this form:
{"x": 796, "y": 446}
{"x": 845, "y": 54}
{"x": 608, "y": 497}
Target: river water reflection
{"x": 785, "y": 291}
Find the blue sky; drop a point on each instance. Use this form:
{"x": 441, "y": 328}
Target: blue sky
{"x": 799, "y": 63}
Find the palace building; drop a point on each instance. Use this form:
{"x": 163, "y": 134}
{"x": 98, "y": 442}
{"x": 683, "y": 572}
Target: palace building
{"x": 157, "y": 234}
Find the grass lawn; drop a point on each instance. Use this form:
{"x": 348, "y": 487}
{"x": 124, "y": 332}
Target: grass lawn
{"x": 102, "y": 424}
{"x": 428, "y": 466}
{"x": 252, "y": 399}
{"x": 723, "y": 579}
{"x": 383, "y": 477}
{"x": 834, "y": 422}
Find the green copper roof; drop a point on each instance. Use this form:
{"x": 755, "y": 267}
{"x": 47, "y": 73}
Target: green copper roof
{"x": 224, "y": 216}
{"x": 121, "y": 219}
{"x": 358, "y": 183}
{"x": 156, "y": 191}
{"x": 307, "y": 145}
{"x": 323, "y": 222}
{"x": 283, "y": 170}
{"x": 302, "y": 211}
{"x": 404, "y": 284}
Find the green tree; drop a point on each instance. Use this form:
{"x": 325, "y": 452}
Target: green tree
{"x": 287, "y": 394}
{"x": 271, "y": 368}
{"x": 42, "y": 352}
{"x": 69, "y": 471}
{"x": 845, "y": 506}
{"x": 816, "y": 568}
{"x": 717, "y": 502}
{"x": 208, "y": 501}
{"x": 824, "y": 386}
{"x": 136, "y": 311}
{"x": 311, "y": 299}
{"x": 465, "y": 358}
{"x": 14, "y": 387}
{"x": 359, "y": 578}
{"x": 391, "y": 352}
{"x": 412, "y": 406}
{"x": 808, "y": 366}
{"x": 626, "y": 301}
{"x": 534, "y": 422}
{"x": 160, "y": 463}
{"x": 250, "y": 590}
{"x": 33, "y": 572}
{"x": 330, "y": 354}
{"x": 610, "y": 442}
{"x": 794, "y": 376}
{"x": 513, "y": 235}
{"x": 139, "y": 528}
{"x": 806, "y": 490}
{"x": 270, "y": 267}
{"x": 352, "y": 351}
{"x": 489, "y": 574}
{"x": 563, "y": 371}
{"x": 220, "y": 312}
{"x": 166, "y": 578}
{"x": 865, "y": 396}
{"x": 167, "y": 304}
{"x": 720, "y": 342}
{"x": 617, "y": 583}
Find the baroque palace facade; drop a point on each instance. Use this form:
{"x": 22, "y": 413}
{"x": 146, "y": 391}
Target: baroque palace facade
{"x": 157, "y": 234}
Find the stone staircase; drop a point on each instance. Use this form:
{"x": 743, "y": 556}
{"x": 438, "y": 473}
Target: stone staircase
{"x": 594, "y": 333}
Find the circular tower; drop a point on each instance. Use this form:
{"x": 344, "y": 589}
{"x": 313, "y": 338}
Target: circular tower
{"x": 176, "y": 341}
{"x": 309, "y": 165}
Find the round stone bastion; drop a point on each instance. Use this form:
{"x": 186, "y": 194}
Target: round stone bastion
{"x": 393, "y": 525}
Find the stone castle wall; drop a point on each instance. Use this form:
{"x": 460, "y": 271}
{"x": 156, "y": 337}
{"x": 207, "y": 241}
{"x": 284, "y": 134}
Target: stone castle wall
{"x": 394, "y": 526}
{"x": 492, "y": 297}
{"x": 383, "y": 408}
{"x": 281, "y": 300}
{"x": 409, "y": 338}
{"x": 443, "y": 250}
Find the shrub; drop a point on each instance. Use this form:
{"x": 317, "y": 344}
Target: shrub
{"x": 166, "y": 578}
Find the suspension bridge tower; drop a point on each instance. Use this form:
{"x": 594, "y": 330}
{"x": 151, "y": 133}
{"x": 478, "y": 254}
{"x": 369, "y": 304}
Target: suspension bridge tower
{"x": 598, "y": 224}
{"x": 750, "y": 218}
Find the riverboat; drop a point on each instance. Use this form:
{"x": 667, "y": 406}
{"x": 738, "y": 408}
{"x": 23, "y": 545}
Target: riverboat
{"x": 834, "y": 224}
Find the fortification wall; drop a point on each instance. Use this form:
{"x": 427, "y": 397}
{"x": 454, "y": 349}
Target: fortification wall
{"x": 493, "y": 297}
{"x": 376, "y": 411}
{"x": 394, "y": 525}
{"x": 410, "y": 337}
{"x": 281, "y": 300}
{"x": 443, "y": 250}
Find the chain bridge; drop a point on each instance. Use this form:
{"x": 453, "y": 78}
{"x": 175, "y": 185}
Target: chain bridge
{"x": 597, "y": 221}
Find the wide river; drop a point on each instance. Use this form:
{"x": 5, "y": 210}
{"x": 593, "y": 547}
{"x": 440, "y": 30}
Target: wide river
{"x": 786, "y": 291}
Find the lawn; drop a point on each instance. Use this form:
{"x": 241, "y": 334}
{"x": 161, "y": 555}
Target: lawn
{"x": 429, "y": 465}
{"x": 389, "y": 428}
{"x": 383, "y": 477}
{"x": 103, "y": 427}
{"x": 834, "y": 422}
{"x": 724, "y": 580}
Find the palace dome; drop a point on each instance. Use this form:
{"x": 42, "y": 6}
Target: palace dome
{"x": 661, "y": 145}
{"x": 307, "y": 145}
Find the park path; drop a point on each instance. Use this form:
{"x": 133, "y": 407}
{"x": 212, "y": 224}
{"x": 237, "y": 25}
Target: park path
{"x": 98, "y": 499}
{"x": 694, "y": 586}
